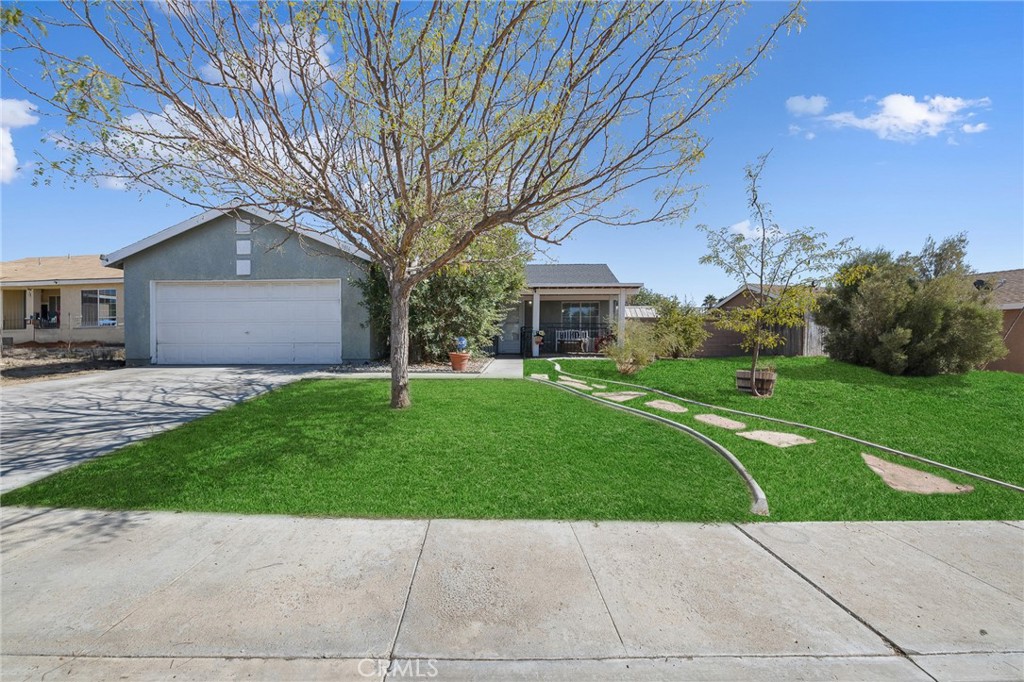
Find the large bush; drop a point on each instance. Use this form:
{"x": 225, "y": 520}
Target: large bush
{"x": 912, "y": 314}
{"x": 468, "y": 299}
{"x": 679, "y": 331}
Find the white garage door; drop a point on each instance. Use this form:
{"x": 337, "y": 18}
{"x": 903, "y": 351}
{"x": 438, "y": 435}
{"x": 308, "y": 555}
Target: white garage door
{"x": 265, "y": 322}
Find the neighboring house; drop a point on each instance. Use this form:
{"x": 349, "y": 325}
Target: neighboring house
{"x": 61, "y": 299}
{"x": 1008, "y": 296}
{"x": 233, "y": 286}
{"x": 575, "y": 305}
{"x": 804, "y": 340}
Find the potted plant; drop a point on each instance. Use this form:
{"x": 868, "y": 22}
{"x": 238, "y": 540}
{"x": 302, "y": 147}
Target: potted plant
{"x": 460, "y": 356}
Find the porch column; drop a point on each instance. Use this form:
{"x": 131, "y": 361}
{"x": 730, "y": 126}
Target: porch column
{"x": 536, "y": 322}
{"x": 622, "y": 317}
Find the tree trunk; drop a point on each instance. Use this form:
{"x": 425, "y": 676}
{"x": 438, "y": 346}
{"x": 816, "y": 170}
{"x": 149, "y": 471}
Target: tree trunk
{"x": 399, "y": 347}
{"x": 753, "y": 368}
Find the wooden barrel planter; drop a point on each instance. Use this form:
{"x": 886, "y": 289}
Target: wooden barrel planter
{"x": 763, "y": 378}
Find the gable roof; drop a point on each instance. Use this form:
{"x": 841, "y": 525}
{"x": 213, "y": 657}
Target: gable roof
{"x": 57, "y": 269}
{"x": 116, "y": 259}
{"x": 1008, "y": 295}
{"x": 561, "y": 274}
{"x": 755, "y": 289}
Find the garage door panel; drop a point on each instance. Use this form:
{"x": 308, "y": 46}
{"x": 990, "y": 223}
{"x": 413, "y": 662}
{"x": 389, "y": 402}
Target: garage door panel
{"x": 280, "y": 322}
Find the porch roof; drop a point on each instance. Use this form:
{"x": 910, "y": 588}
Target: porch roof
{"x": 51, "y": 271}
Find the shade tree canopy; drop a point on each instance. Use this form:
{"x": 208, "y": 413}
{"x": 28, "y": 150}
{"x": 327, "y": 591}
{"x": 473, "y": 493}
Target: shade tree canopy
{"x": 407, "y": 129}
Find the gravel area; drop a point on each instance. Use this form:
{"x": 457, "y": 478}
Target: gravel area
{"x": 476, "y": 365}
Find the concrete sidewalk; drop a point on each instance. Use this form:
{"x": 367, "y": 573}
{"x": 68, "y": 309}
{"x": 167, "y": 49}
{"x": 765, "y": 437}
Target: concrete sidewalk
{"x": 101, "y": 595}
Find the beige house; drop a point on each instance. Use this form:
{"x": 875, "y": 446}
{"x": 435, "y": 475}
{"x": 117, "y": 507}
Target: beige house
{"x": 62, "y": 299}
{"x": 1007, "y": 288}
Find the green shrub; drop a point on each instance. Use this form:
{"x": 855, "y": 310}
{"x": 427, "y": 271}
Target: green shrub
{"x": 915, "y": 315}
{"x": 639, "y": 348}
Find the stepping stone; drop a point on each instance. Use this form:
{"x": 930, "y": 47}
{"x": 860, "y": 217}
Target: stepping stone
{"x": 600, "y": 386}
{"x": 909, "y": 480}
{"x": 723, "y": 422}
{"x": 776, "y": 438}
{"x": 542, "y": 377}
{"x": 666, "y": 406}
{"x": 620, "y": 396}
{"x": 573, "y": 383}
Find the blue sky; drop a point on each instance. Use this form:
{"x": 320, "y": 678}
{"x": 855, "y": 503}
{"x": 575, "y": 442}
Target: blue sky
{"x": 889, "y": 122}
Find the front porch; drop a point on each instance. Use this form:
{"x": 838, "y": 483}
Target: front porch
{"x": 62, "y": 314}
{"x": 575, "y": 320}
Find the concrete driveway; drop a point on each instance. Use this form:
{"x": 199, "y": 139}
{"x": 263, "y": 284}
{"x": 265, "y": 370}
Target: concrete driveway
{"x": 105, "y": 595}
{"x": 51, "y": 425}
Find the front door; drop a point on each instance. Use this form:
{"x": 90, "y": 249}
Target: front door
{"x": 510, "y": 330}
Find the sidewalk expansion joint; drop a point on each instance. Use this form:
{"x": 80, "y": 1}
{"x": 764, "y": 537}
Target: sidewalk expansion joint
{"x": 600, "y": 592}
{"x": 408, "y": 597}
{"x": 897, "y": 649}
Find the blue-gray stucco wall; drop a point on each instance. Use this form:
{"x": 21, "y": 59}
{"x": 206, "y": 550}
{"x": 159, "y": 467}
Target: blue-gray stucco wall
{"x": 208, "y": 252}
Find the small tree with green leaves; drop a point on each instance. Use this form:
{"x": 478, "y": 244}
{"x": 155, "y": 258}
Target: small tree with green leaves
{"x": 777, "y": 267}
{"x": 680, "y": 329}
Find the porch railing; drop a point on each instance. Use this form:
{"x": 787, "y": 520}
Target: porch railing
{"x": 566, "y": 339}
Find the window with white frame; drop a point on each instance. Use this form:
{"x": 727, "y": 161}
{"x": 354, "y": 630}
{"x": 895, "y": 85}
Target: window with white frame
{"x": 581, "y": 315}
{"x": 99, "y": 307}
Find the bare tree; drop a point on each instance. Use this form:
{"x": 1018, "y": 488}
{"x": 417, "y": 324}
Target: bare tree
{"x": 409, "y": 130}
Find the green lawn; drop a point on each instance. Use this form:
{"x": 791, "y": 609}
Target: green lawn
{"x": 511, "y": 449}
{"x": 970, "y": 421}
{"x": 466, "y": 449}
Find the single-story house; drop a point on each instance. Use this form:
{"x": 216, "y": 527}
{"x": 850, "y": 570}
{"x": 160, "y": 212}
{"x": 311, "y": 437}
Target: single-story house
{"x": 575, "y": 305}
{"x": 803, "y": 340}
{"x": 1007, "y": 288}
{"x": 62, "y": 299}
{"x": 233, "y": 286}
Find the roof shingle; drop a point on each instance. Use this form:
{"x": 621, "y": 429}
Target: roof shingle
{"x": 1009, "y": 294}
{"x": 57, "y": 268}
{"x": 569, "y": 273}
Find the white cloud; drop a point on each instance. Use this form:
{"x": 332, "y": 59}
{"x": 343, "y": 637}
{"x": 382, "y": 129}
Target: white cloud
{"x": 111, "y": 182}
{"x": 289, "y": 57}
{"x": 14, "y": 113}
{"x": 745, "y": 230}
{"x": 799, "y": 105}
{"x": 972, "y": 129}
{"x": 809, "y": 136}
{"x": 794, "y": 129}
{"x": 903, "y": 118}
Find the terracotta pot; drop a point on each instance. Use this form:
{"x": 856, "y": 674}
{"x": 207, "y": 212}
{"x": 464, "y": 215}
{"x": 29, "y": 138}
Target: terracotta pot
{"x": 764, "y": 380}
{"x": 459, "y": 361}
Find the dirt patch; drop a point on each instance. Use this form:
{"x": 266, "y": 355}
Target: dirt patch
{"x": 722, "y": 422}
{"x": 666, "y": 406}
{"x": 37, "y": 361}
{"x": 777, "y": 438}
{"x": 475, "y": 366}
{"x": 542, "y": 377}
{"x": 909, "y": 480}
